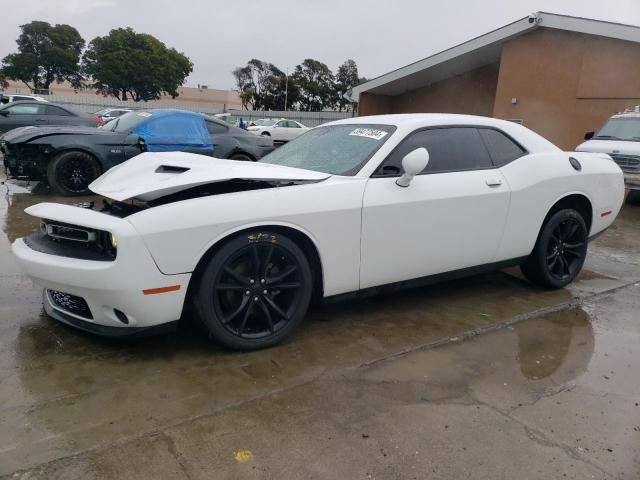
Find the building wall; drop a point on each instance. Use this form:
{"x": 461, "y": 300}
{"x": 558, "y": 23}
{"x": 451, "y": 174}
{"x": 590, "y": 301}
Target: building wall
{"x": 188, "y": 96}
{"x": 471, "y": 93}
{"x": 566, "y": 83}
{"x": 372, "y": 104}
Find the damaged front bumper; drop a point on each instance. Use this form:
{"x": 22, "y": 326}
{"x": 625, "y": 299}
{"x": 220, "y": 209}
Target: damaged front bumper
{"x": 24, "y": 161}
{"x": 124, "y": 295}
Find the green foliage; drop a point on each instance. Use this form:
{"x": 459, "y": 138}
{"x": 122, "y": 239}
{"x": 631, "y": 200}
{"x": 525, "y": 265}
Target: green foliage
{"x": 45, "y": 54}
{"x": 346, "y": 78}
{"x": 126, "y": 64}
{"x": 316, "y": 83}
{"x": 312, "y": 86}
{"x": 263, "y": 86}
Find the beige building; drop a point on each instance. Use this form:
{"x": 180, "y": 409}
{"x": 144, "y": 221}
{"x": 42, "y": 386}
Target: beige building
{"x": 194, "y": 98}
{"x": 560, "y": 76}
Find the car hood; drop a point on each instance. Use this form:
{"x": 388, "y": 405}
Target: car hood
{"x": 610, "y": 146}
{"x": 26, "y": 134}
{"x": 149, "y": 176}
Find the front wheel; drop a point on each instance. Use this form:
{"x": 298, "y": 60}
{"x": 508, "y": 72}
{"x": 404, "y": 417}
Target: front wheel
{"x": 70, "y": 173}
{"x": 560, "y": 251}
{"x": 254, "y": 291}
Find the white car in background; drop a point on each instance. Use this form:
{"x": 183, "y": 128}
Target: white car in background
{"x": 108, "y": 114}
{"x": 619, "y": 137}
{"x": 279, "y": 130}
{"x": 19, "y": 98}
{"x": 351, "y": 206}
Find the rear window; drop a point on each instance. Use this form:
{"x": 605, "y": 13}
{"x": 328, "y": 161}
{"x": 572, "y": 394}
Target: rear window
{"x": 501, "y": 148}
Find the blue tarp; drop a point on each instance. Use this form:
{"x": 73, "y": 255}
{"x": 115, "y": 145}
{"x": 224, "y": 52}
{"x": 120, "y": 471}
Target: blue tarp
{"x": 175, "y": 130}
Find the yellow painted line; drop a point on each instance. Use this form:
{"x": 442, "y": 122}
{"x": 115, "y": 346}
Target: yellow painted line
{"x": 243, "y": 456}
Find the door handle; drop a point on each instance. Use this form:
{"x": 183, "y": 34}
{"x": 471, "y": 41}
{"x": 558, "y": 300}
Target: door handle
{"x": 494, "y": 182}
{"x": 40, "y": 120}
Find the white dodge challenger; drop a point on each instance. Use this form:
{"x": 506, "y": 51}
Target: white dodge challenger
{"x": 350, "y": 205}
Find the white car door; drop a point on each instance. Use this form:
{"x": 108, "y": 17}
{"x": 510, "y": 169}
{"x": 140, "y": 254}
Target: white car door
{"x": 452, "y": 216}
{"x": 280, "y": 131}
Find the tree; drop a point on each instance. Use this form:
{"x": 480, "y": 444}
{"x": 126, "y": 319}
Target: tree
{"x": 262, "y": 86}
{"x": 346, "y": 78}
{"x": 45, "y": 54}
{"x": 316, "y": 83}
{"x": 127, "y": 64}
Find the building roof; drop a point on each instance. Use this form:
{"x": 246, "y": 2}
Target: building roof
{"x": 484, "y": 50}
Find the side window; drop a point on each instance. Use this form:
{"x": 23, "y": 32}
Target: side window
{"x": 53, "y": 110}
{"x": 215, "y": 128}
{"x": 282, "y": 123}
{"x": 501, "y": 148}
{"x": 450, "y": 149}
{"x": 291, "y": 124}
{"x": 27, "y": 109}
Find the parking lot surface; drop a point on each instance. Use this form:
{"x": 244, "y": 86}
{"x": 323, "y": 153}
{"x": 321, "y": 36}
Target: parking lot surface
{"x": 485, "y": 377}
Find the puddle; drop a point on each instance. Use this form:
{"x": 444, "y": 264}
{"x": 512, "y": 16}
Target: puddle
{"x": 526, "y": 359}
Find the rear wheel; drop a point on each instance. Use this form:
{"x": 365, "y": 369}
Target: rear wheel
{"x": 560, "y": 251}
{"x": 254, "y": 291}
{"x": 70, "y": 173}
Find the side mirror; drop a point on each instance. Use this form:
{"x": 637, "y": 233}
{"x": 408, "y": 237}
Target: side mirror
{"x": 413, "y": 163}
{"x": 589, "y": 135}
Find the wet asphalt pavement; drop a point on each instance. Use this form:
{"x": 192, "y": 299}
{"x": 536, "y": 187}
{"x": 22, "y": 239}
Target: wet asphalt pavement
{"x": 485, "y": 377}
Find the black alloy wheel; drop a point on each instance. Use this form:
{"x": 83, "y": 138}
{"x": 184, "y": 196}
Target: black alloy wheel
{"x": 560, "y": 250}
{"x": 255, "y": 291}
{"x": 566, "y": 249}
{"x": 70, "y": 173}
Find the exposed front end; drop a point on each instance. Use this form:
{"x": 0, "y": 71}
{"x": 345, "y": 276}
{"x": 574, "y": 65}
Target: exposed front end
{"x": 97, "y": 273}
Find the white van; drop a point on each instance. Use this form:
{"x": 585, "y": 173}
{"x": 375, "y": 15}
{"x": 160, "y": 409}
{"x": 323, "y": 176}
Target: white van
{"x": 620, "y": 138}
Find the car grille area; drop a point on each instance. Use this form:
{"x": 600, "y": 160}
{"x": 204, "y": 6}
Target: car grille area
{"x": 628, "y": 163}
{"x": 65, "y": 240}
{"x": 70, "y": 303}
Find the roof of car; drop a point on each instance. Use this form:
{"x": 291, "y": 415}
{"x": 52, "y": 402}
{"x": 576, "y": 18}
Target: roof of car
{"x": 417, "y": 119}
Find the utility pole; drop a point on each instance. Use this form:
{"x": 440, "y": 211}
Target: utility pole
{"x": 286, "y": 89}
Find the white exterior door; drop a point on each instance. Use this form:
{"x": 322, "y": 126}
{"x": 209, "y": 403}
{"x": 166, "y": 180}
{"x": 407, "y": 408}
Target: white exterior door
{"x": 449, "y": 218}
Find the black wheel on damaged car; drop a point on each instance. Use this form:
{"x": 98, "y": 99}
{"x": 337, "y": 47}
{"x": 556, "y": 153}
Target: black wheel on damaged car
{"x": 71, "y": 172}
{"x": 254, "y": 291}
{"x": 559, "y": 252}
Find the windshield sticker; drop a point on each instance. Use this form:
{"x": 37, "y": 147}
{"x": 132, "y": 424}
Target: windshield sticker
{"x": 369, "y": 133}
{"x": 143, "y": 114}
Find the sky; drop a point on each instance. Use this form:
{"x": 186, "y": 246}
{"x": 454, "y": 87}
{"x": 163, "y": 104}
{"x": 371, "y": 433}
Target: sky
{"x": 219, "y": 36}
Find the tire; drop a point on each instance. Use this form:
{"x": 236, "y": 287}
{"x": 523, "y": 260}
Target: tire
{"x": 633, "y": 198}
{"x": 559, "y": 252}
{"x": 71, "y": 172}
{"x": 242, "y": 157}
{"x": 265, "y": 134}
{"x": 254, "y": 291}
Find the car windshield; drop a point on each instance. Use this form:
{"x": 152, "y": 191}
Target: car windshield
{"x": 334, "y": 149}
{"x": 102, "y": 112}
{"x": 264, "y": 122}
{"x": 126, "y": 122}
{"x": 620, "y": 128}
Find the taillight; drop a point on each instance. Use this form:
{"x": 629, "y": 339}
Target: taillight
{"x": 98, "y": 120}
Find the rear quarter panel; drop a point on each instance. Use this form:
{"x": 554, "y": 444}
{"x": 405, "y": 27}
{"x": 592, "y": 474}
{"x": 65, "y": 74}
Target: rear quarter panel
{"x": 538, "y": 181}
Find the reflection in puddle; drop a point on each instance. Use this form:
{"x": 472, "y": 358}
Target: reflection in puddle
{"x": 548, "y": 351}
{"x": 545, "y": 344}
